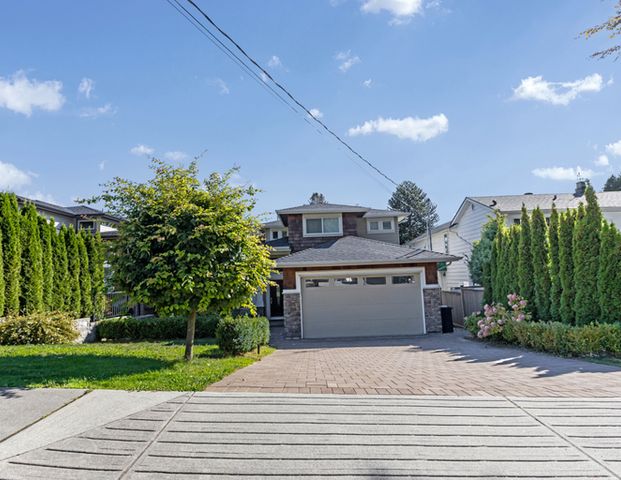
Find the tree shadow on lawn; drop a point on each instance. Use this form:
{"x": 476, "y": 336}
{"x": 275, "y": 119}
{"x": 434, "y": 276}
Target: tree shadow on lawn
{"x": 51, "y": 370}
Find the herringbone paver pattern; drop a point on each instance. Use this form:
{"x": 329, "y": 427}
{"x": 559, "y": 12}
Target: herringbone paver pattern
{"x": 428, "y": 365}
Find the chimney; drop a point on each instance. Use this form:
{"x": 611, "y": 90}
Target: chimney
{"x": 580, "y": 188}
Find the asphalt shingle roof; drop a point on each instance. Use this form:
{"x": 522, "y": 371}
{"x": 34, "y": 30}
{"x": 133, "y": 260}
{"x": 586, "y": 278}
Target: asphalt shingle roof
{"x": 351, "y": 250}
{"x": 279, "y": 242}
{"x": 513, "y": 203}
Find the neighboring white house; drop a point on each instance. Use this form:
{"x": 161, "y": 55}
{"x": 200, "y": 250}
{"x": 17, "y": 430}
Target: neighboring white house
{"x": 457, "y": 236}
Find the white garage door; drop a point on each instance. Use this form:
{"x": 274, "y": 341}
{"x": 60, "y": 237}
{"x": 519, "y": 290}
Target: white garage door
{"x": 354, "y": 305}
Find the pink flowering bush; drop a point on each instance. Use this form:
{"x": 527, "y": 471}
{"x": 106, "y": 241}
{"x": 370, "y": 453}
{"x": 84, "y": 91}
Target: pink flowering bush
{"x": 496, "y": 316}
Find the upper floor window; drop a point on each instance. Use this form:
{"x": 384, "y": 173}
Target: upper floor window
{"x": 380, "y": 225}
{"x": 322, "y": 225}
{"x": 86, "y": 225}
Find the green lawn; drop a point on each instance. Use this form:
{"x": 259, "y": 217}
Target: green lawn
{"x": 123, "y": 366}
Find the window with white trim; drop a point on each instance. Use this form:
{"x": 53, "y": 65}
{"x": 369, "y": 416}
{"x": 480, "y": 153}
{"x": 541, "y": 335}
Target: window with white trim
{"x": 323, "y": 225}
{"x": 381, "y": 225}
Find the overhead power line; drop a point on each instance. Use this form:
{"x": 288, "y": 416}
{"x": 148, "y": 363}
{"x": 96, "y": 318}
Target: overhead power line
{"x": 280, "y": 87}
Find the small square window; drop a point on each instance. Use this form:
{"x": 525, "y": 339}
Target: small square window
{"x": 313, "y": 225}
{"x": 275, "y": 235}
{"x": 402, "y": 279}
{"x": 387, "y": 225}
{"x": 316, "y": 282}
{"x": 346, "y": 281}
{"x": 373, "y": 225}
{"x": 375, "y": 280}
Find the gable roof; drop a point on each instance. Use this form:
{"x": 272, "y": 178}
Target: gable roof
{"x": 272, "y": 224}
{"x": 563, "y": 201}
{"x": 351, "y": 250}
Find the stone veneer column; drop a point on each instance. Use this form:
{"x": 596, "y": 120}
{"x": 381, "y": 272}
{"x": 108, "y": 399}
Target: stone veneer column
{"x": 432, "y": 297}
{"x": 292, "y": 314}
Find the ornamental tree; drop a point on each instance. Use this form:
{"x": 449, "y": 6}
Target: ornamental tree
{"x": 541, "y": 274}
{"x": 482, "y": 250}
{"x": 11, "y": 249}
{"x": 555, "y": 278}
{"x": 185, "y": 245}
{"x": 586, "y": 263}
{"x": 511, "y": 277}
{"x": 525, "y": 262}
{"x": 566, "y": 265}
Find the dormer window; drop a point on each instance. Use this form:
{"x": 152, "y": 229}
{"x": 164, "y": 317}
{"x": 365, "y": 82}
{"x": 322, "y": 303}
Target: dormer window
{"x": 380, "y": 225}
{"x": 323, "y": 225}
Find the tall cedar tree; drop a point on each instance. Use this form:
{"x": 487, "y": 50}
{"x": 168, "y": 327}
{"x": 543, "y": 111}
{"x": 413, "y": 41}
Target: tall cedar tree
{"x": 2, "y": 285}
{"x": 60, "y": 297}
{"x": 12, "y": 253}
{"x": 31, "y": 298}
{"x": 96, "y": 269}
{"x": 541, "y": 272}
{"x": 586, "y": 261}
{"x": 566, "y": 264}
{"x": 511, "y": 276}
{"x": 409, "y": 197}
{"x": 555, "y": 267}
{"x": 490, "y": 273}
{"x": 74, "y": 300}
{"x": 86, "y": 290}
{"x": 501, "y": 283}
{"x": 525, "y": 263}
{"x": 187, "y": 245}
{"x": 46, "y": 232}
{"x": 609, "y": 276}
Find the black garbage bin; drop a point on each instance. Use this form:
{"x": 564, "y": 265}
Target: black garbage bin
{"x": 446, "y": 313}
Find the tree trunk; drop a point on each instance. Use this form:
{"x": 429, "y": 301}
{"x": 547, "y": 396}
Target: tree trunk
{"x": 189, "y": 339}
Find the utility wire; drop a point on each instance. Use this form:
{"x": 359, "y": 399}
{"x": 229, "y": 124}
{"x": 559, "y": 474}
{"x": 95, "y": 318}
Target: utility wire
{"x": 290, "y": 95}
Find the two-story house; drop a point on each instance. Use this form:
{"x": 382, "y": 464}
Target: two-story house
{"x": 341, "y": 272}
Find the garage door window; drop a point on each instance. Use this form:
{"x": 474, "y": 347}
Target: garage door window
{"x": 402, "y": 279}
{"x": 346, "y": 281}
{"x": 316, "y": 282}
{"x": 375, "y": 280}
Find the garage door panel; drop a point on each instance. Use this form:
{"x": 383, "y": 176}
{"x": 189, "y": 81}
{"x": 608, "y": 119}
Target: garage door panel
{"x": 362, "y": 310}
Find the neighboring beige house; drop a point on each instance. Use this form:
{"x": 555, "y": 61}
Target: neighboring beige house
{"x": 457, "y": 236}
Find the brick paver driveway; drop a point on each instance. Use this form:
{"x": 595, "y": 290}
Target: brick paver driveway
{"x": 429, "y": 365}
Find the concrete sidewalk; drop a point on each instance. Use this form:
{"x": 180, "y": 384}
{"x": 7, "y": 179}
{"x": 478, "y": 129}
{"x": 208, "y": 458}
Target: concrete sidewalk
{"x": 227, "y": 436}
{"x": 32, "y": 418}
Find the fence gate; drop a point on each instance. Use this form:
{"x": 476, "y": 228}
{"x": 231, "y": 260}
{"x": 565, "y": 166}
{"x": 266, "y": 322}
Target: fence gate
{"x": 464, "y": 301}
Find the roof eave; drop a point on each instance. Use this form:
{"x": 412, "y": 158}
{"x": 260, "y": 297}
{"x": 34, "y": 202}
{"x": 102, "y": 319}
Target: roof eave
{"x": 367, "y": 262}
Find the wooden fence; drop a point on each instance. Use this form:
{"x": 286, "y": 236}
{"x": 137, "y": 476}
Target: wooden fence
{"x": 464, "y": 301}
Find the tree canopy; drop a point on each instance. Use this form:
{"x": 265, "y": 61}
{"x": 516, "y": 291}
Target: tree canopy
{"x": 613, "y": 184}
{"x": 409, "y": 197}
{"x": 317, "y": 198}
{"x": 613, "y": 27}
{"x": 185, "y": 245}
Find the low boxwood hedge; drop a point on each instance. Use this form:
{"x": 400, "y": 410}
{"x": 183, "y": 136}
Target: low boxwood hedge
{"x": 242, "y": 334}
{"x": 38, "y": 328}
{"x": 155, "y": 328}
{"x": 596, "y": 339}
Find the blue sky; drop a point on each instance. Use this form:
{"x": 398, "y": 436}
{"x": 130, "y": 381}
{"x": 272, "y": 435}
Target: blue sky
{"x": 461, "y": 97}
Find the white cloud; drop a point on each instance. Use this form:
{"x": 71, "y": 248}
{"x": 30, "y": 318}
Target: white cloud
{"x": 38, "y": 195}
{"x": 102, "y": 165}
{"x": 556, "y": 93}
{"x": 368, "y": 83}
{"x": 142, "y": 150}
{"x": 602, "y": 161}
{"x": 86, "y": 87}
{"x": 402, "y": 11}
{"x": 563, "y": 173}
{"x": 347, "y": 60}
{"x": 614, "y": 148}
{"x": 104, "y": 110}
{"x": 176, "y": 156}
{"x": 274, "y": 62}
{"x": 223, "y": 88}
{"x": 12, "y": 177}
{"x": 20, "y": 94}
{"x": 315, "y": 112}
{"x": 411, "y": 128}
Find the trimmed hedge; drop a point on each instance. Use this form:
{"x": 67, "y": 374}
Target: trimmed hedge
{"x": 38, "y": 328}
{"x": 595, "y": 339}
{"x": 242, "y": 334}
{"x": 155, "y": 328}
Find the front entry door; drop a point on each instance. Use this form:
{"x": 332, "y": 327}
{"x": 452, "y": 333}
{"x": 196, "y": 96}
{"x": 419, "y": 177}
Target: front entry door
{"x": 276, "y": 304}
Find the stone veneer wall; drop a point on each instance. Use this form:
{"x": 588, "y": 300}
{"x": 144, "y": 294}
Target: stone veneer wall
{"x": 292, "y": 315}
{"x": 432, "y": 297}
